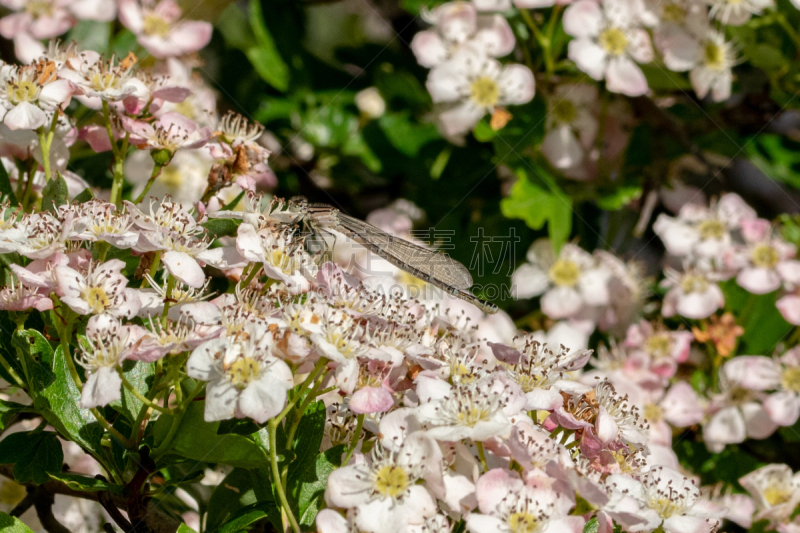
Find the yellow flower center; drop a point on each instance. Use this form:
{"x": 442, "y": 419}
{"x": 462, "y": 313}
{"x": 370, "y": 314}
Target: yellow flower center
{"x": 461, "y": 373}
{"x": 104, "y": 80}
{"x": 391, "y": 481}
{"x": 469, "y": 415}
{"x": 674, "y": 13}
{"x": 777, "y": 494}
{"x": 39, "y": 8}
{"x": 614, "y": 41}
{"x": 97, "y": 299}
{"x": 694, "y": 283}
{"x": 658, "y": 345}
{"x": 244, "y": 371}
{"x": 652, "y": 412}
{"x": 790, "y": 379}
{"x": 565, "y": 273}
{"x": 23, "y": 91}
{"x": 565, "y": 111}
{"x": 520, "y": 522}
{"x": 156, "y": 25}
{"x": 665, "y": 507}
{"x": 712, "y": 229}
{"x": 485, "y": 92}
{"x": 765, "y": 256}
{"x": 714, "y": 56}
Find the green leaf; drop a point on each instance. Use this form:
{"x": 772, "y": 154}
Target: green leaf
{"x": 34, "y": 455}
{"x": 5, "y": 186}
{"x": 84, "y": 196}
{"x": 90, "y": 34}
{"x": 11, "y": 524}
{"x": 235, "y": 491}
{"x": 265, "y": 57}
{"x": 140, "y": 375}
{"x": 308, "y": 441}
{"x": 55, "y": 193}
{"x": 311, "y": 492}
{"x": 525, "y": 129}
{"x": 238, "y": 426}
{"x": 765, "y": 57}
{"x": 38, "y": 355}
{"x": 591, "y": 526}
{"x": 246, "y": 517}
{"x": 661, "y": 78}
{"x": 183, "y": 528}
{"x": 221, "y": 227}
{"x": 619, "y": 197}
{"x": 406, "y": 135}
{"x": 8, "y": 410}
{"x": 85, "y": 484}
{"x": 59, "y": 403}
{"x": 198, "y": 440}
{"x": 484, "y": 132}
{"x": 537, "y": 205}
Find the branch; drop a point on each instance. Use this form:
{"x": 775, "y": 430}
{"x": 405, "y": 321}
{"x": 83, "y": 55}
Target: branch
{"x": 157, "y": 520}
{"x": 43, "y": 503}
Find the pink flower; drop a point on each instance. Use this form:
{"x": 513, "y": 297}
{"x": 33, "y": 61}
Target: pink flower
{"x": 170, "y": 131}
{"x": 765, "y": 260}
{"x": 661, "y": 348}
{"x": 30, "y": 92}
{"x": 34, "y": 20}
{"x": 693, "y": 294}
{"x": 98, "y": 79}
{"x": 158, "y": 27}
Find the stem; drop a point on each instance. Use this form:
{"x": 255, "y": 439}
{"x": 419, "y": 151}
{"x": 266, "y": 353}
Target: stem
{"x": 11, "y": 372}
{"x": 482, "y": 456}
{"x": 154, "y": 267}
{"x": 176, "y": 422}
{"x": 45, "y": 142}
{"x": 276, "y": 474}
{"x": 156, "y": 172}
{"x": 139, "y": 396}
{"x": 309, "y": 397}
{"x": 167, "y": 298}
{"x": 351, "y": 448}
{"x": 256, "y": 269}
{"x": 781, "y": 19}
{"x": 125, "y": 441}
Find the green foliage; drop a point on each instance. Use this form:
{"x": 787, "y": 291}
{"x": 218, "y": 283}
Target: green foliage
{"x": 5, "y": 186}
{"x": 85, "y": 484}
{"x": 764, "y": 326}
{"x": 591, "y": 526}
{"x": 140, "y": 375}
{"x": 55, "y": 193}
{"x": 34, "y": 454}
{"x": 12, "y": 524}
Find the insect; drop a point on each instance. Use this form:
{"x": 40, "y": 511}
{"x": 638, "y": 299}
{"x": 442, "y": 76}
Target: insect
{"x": 436, "y": 268}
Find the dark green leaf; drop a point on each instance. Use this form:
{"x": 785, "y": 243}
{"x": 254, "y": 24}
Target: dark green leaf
{"x": 484, "y": 132}
{"x": 8, "y": 410}
{"x": 246, "y": 517}
{"x": 198, "y": 440}
{"x": 525, "y": 129}
{"x": 55, "y": 193}
{"x": 59, "y": 403}
{"x": 140, "y": 375}
{"x": 235, "y": 491}
{"x": 5, "y": 186}
{"x": 662, "y": 78}
{"x": 312, "y": 492}
{"x": 11, "y": 524}
{"x": 84, "y": 196}
{"x": 405, "y": 134}
{"x": 237, "y": 426}
{"x": 38, "y": 355}
{"x": 265, "y": 57}
{"x": 221, "y": 227}
{"x": 34, "y": 455}
{"x": 591, "y": 526}
{"x": 308, "y": 441}
{"x": 85, "y": 484}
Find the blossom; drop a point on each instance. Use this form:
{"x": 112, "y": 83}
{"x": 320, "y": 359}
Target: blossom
{"x": 475, "y": 84}
{"x": 30, "y": 91}
{"x": 693, "y": 294}
{"x": 108, "y": 344}
{"x": 569, "y": 282}
{"x": 737, "y": 13}
{"x": 507, "y": 504}
{"x": 370, "y": 102}
{"x": 660, "y": 349}
{"x": 159, "y": 27}
{"x": 609, "y": 43}
{"x": 98, "y": 79}
{"x": 456, "y": 23}
{"x": 765, "y": 260}
{"x": 781, "y": 375}
{"x": 571, "y": 124}
{"x": 775, "y": 491}
{"x": 103, "y": 289}
{"x": 386, "y": 488}
{"x": 32, "y": 21}
{"x": 244, "y": 378}
{"x": 170, "y": 131}
{"x": 723, "y": 332}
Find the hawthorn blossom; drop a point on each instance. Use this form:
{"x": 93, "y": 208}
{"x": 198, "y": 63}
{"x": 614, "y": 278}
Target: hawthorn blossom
{"x": 170, "y": 132}
{"x": 32, "y": 21}
{"x": 108, "y": 344}
{"x": 657, "y": 348}
{"x": 244, "y": 378}
{"x": 282, "y": 256}
{"x": 609, "y": 43}
{"x": 737, "y": 13}
{"x": 160, "y": 28}
{"x": 571, "y": 124}
{"x": 386, "y": 488}
{"x": 30, "y": 91}
{"x": 775, "y": 491}
{"x": 97, "y": 79}
{"x": 780, "y": 374}
{"x": 765, "y": 260}
{"x": 21, "y": 297}
{"x": 456, "y": 23}
{"x": 568, "y": 282}
{"x": 102, "y": 289}
{"x": 507, "y": 504}
{"x": 473, "y": 85}
{"x": 693, "y": 294}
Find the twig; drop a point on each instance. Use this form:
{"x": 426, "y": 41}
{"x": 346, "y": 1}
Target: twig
{"x": 43, "y": 503}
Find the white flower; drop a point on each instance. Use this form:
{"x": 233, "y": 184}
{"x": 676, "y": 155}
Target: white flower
{"x": 608, "y": 43}
{"x": 775, "y": 490}
{"x": 28, "y": 92}
{"x": 38, "y": 236}
{"x": 107, "y": 345}
{"x": 669, "y": 500}
{"x": 712, "y": 72}
{"x": 693, "y": 294}
{"x": 456, "y": 23}
{"x": 765, "y": 260}
{"x": 282, "y": 256}
{"x": 570, "y": 282}
{"x": 97, "y": 79}
{"x": 385, "y": 488}
{"x": 370, "y": 102}
{"x": 475, "y": 84}
{"x": 103, "y": 289}
{"x": 102, "y": 223}
{"x": 337, "y": 336}
{"x": 571, "y": 124}
{"x": 737, "y": 12}
{"x": 244, "y": 379}
{"x": 780, "y": 374}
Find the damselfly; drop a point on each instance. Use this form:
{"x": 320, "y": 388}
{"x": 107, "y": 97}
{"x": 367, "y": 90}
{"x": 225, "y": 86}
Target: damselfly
{"x": 436, "y": 268}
